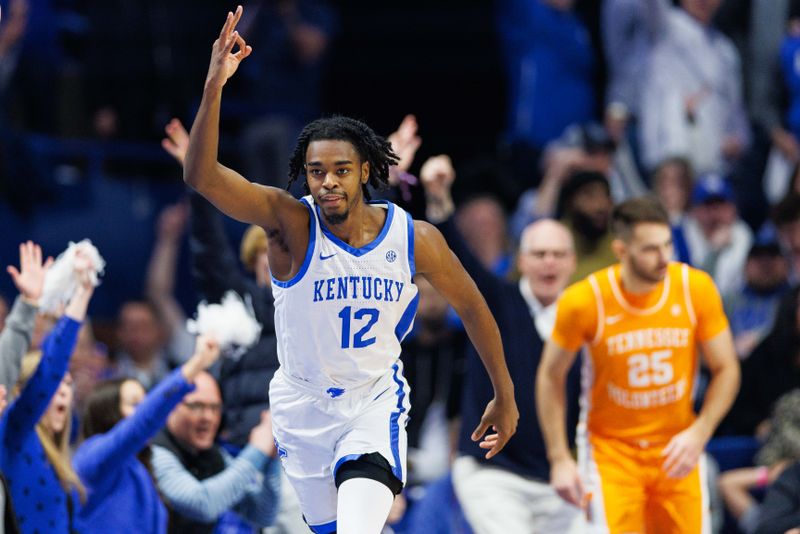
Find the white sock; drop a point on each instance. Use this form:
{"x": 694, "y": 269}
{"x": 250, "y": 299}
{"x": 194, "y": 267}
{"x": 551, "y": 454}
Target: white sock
{"x": 363, "y": 506}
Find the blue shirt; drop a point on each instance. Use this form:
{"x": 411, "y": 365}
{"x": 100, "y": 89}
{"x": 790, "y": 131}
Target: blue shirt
{"x": 550, "y": 65}
{"x": 121, "y": 495}
{"x": 39, "y": 499}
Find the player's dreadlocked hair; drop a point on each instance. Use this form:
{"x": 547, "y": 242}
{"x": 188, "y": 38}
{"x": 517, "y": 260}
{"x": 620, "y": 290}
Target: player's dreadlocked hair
{"x": 370, "y": 147}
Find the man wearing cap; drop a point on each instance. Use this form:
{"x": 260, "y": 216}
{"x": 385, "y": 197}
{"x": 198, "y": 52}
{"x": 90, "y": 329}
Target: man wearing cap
{"x": 718, "y": 240}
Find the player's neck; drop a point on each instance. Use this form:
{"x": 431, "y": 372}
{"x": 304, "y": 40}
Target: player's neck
{"x": 634, "y": 284}
{"x": 363, "y": 224}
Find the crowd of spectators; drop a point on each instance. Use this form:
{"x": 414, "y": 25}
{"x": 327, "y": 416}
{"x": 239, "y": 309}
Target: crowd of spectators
{"x": 141, "y": 424}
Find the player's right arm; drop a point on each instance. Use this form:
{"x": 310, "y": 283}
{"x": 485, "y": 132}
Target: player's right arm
{"x": 575, "y": 318}
{"x": 551, "y": 407}
{"x": 269, "y": 207}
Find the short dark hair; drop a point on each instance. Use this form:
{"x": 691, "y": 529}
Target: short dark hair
{"x": 370, "y": 146}
{"x": 634, "y": 211}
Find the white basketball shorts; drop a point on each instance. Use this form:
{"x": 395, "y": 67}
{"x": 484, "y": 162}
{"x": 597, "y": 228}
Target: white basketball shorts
{"x": 316, "y": 433}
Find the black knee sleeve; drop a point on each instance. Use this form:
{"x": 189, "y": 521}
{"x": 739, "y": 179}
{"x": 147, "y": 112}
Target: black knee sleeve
{"x": 372, "y": 466}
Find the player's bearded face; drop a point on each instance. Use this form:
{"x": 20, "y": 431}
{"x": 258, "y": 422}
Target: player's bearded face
{"x": 650, "y": 252}
{"x": 335, "y": 175}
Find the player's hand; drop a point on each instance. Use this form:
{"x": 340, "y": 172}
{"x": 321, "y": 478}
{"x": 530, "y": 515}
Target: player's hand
{"x": 502, "y": 417}
{"x": 261, "y": 436}
{"x": 405, "y": 142}
{"x": 29, "y": 279}
{"x": 177, "y": 141}
{"x": 683, "y": 451}
{"x": 565, "y": 480}
{"x": 224, "y": 61}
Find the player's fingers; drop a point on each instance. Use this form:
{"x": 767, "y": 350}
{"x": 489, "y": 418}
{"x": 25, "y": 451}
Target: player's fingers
{"x": 674, "y": 460}
{"x": 240, "y": 54}
{"x": 684, "y": 466}
{"x": 13, "y": 272}
{"x": 489, "y": 441}
{"x": 226, "y": 28}
{"x": 480, "y": 430}
{"x": 230, "y": 43}
{"x": 499, "y": 443}
{"x": 237, "y": 15}
{"x": 37, "y": 255}
{"x": 48, "y": 263}
{"x": 223, "y": 33}
{"x": 666, "y": 451}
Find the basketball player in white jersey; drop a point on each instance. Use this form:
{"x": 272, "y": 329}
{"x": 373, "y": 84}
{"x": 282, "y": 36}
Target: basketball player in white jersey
{"x": 343, "y": 271}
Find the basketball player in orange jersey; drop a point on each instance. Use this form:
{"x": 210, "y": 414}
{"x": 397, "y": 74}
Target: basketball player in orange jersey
{"x": 639, "y": 464}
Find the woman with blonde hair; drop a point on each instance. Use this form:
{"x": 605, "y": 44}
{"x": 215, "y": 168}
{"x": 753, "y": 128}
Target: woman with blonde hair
{"x": 35, "y": 429}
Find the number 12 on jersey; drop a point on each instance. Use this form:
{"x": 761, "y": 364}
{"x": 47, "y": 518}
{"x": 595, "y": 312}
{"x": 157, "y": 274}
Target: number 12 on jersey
{"x": 371, "y": 314}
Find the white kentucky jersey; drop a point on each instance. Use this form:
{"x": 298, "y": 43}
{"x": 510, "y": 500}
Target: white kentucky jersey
{"x": 341, "y": 318}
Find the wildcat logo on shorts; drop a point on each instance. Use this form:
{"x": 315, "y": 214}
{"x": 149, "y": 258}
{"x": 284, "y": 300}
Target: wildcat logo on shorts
{"x": 281, "y": 451}
{"x": 391, "y": 256}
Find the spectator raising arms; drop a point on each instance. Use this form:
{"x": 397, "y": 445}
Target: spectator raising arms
{"x": 120, "y": 493}
{"x": 15, "y": 339}
{"x": 35, "y": 430}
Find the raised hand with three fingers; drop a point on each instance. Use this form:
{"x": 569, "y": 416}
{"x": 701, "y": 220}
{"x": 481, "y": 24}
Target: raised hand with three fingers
{"x": 224, "y": 61}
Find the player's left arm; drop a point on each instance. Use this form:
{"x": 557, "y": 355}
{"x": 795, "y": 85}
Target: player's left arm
{"x": 437, "y": 263}
{"x": 719, "y": 355}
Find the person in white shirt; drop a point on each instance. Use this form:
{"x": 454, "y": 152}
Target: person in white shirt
{"x": 692, "y": 103}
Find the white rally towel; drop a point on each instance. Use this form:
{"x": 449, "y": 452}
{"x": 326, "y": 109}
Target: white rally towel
{"x": 231, "y": 322}
{"x": 61, "y": 282}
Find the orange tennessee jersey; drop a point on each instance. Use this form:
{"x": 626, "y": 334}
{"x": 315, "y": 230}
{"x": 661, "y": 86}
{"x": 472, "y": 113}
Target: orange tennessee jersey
{"x": 642, "y": 349}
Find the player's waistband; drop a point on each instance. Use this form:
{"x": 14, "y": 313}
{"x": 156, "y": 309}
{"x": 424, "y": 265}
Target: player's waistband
{"x": 330, "y": 391}
{"x": 637, "y": 442}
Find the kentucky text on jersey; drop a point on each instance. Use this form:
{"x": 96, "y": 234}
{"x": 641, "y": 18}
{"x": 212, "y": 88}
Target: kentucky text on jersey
{"x": 358, "y": 287}
{"x": 646, "y": 339}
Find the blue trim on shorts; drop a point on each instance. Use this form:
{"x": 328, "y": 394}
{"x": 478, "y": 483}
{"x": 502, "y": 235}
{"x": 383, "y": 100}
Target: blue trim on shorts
{"x": 394, "y": 425}
{"x": 312, "y": 238}
{"x": 343, "y": 459}
{"x": 407, "y": 319}
{"x": 412, "y": 266}
{"x": 327, "y": 528}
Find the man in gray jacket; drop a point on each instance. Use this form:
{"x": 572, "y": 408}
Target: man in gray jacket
{"x": 199, "y": 480}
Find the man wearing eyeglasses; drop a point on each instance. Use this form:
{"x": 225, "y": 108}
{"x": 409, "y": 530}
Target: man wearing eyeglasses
{"x": 199, "y": 480}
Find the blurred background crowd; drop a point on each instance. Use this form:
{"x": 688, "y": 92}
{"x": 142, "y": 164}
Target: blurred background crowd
{"x": 547, "y": 108}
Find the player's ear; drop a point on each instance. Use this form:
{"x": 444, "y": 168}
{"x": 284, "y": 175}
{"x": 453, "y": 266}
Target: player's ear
{"x": 619, "y": 248}
{"x": 365, "y": 172}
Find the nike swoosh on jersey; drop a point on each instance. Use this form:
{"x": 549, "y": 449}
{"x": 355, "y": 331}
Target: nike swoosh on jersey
{"x": 326, "y": 257}
{"x": 613, "y": 319}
